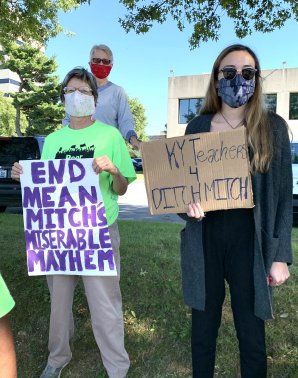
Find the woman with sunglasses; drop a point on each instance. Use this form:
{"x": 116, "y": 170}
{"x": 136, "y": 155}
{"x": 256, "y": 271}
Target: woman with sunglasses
{"x": 250, "y": 249}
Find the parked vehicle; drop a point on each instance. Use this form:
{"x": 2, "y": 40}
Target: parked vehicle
{"x": 137, "y": 163}
{"x": 13, "y": 149}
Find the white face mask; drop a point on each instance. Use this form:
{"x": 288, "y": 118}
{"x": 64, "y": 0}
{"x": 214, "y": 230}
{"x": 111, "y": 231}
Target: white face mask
{"x": 78, "y": 104}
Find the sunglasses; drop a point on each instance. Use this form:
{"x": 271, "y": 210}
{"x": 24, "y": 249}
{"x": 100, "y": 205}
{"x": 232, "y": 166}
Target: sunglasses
{"x": 83, "y": 90}
{"x": 99, "y": 60}
{"x": 229, "y": 73}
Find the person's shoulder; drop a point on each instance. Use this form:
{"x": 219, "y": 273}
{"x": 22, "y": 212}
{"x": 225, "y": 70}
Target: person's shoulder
{"x": 199, "y": 124}
{"x": 277, "y": 123}
{"x": 280, "y": 129}
{"x": 275, "y": 118}
{"x": 57, "y": 133}
{"x": 108, "y": 129}
{"x": 116, "y": 88}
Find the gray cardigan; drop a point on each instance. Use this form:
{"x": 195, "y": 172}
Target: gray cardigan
{"x": 272, "y": 193}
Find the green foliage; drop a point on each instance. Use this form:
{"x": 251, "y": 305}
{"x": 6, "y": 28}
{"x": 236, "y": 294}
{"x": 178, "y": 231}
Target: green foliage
{"x": 138, "y": 112}
{"x": 38, "y": 95}
{"x": 7, "y": 117}
{"x": 32, "y": 19}
{"x": 157, "y": 323}
{"x": 205, "y": 16}
{"x": 139, "y": 116}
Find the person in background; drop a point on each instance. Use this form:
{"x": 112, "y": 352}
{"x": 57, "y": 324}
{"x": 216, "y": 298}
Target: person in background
{"x": 83, "y": 138}
{"x": 112, "y": 106}
{"x": 250, "y": 249}
{"x": 8, "y": 366}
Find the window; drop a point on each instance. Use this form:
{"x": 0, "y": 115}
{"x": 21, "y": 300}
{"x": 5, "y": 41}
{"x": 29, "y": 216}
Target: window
{"x": 270, "y": 101}
{"x": 293, "y": 111}
{"x": 9, "y": 81}
{"x": 189, "y": 108}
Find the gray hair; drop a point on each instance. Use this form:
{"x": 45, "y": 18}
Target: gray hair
{"x": 82, "y": 74}
{"x": 104, "y": 48}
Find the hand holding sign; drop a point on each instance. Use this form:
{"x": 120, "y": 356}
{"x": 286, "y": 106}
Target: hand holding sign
{"x": 195, "y": 211}
{"x": 16, "y": 171}
{"x": 103, "y": 163}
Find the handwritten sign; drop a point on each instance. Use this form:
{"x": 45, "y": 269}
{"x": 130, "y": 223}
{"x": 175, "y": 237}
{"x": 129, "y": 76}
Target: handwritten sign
{"x": 66, "y": 230}
{"x": 210, "y": 168}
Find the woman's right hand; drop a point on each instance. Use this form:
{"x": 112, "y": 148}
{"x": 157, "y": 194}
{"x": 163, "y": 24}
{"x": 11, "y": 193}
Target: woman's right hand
{"x": 195, "y": 211}
{"x": 16, "y": 171}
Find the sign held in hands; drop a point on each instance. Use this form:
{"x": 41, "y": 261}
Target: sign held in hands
{"x": 210, "y": 168}
{"x": 66, "y": 230}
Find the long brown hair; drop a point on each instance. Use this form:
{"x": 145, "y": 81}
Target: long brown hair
{"x": 259, "y": 133}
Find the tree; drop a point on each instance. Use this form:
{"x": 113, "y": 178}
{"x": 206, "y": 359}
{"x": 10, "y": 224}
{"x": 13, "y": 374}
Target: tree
{"x": 7, "y": 117}
{"x": 43, "y": 109}
{"x": 38, "y": 95}
{"x": 138, "y": 112}
{"x": 205, "y": 16}
{"x": 32, "y": 19}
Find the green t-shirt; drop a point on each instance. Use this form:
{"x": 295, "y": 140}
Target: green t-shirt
{"x": 6, "y": 300}
{"x": 93, "y": 141}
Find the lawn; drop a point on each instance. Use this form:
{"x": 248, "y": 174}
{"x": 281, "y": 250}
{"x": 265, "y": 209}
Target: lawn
{"x": 157, "y": 322}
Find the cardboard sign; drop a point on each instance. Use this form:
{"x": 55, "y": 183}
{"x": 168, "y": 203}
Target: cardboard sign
{"x": 66, "y": 230}
{"x": 210, "y": 168}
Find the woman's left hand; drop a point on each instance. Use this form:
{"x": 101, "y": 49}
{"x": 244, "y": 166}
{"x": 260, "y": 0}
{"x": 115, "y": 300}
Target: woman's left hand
{"x": 103, "y": 163}
{"x": 195, "y": 211}
{"x": 279, "y": 273}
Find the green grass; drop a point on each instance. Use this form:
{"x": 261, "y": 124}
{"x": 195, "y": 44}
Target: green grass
{"x": 157, "y": 323}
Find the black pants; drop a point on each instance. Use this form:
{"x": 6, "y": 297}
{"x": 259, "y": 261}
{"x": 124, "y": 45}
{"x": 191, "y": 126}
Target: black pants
{"x": 228, "y": 239}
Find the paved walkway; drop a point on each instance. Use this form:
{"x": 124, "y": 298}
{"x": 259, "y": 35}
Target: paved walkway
{"x": 134, "y": 205}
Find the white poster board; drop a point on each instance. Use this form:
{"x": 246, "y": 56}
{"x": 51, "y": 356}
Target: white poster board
{"x": 66, "y": 230}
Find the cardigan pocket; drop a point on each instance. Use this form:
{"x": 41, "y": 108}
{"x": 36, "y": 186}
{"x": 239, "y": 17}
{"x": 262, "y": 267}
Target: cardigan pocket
{"x": 269, "y": 249}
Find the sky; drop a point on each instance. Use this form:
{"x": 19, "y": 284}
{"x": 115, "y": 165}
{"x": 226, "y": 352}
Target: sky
{"x": 143, "y": 63}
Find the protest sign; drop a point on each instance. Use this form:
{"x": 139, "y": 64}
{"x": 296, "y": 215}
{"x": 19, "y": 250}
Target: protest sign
{"x": 210, "y": 168}
{"x": 66, "y": 230}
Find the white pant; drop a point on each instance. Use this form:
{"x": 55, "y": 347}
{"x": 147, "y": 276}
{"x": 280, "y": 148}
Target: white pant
{"x": 105, "y": 305}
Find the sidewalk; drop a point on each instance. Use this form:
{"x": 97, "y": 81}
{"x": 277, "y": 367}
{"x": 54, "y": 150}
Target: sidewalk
{"x": 134, "y": 206}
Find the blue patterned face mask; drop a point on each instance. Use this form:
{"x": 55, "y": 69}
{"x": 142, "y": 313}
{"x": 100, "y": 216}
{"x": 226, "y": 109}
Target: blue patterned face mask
{"x": 236, "y": 92}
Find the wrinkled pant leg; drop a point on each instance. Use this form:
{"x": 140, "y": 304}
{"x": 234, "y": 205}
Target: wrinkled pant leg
{"x": 205, "y": 324}
{"x": 250, "y": 329}
{"x": 251, "y": 336}
{"x": 61, "y": 328}
{"x": 205, "y": 327}
{"x": 105, "y": 304}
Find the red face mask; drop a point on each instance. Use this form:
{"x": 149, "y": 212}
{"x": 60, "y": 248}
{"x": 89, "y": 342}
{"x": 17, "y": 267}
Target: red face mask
{"x": 100, "y": 71}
